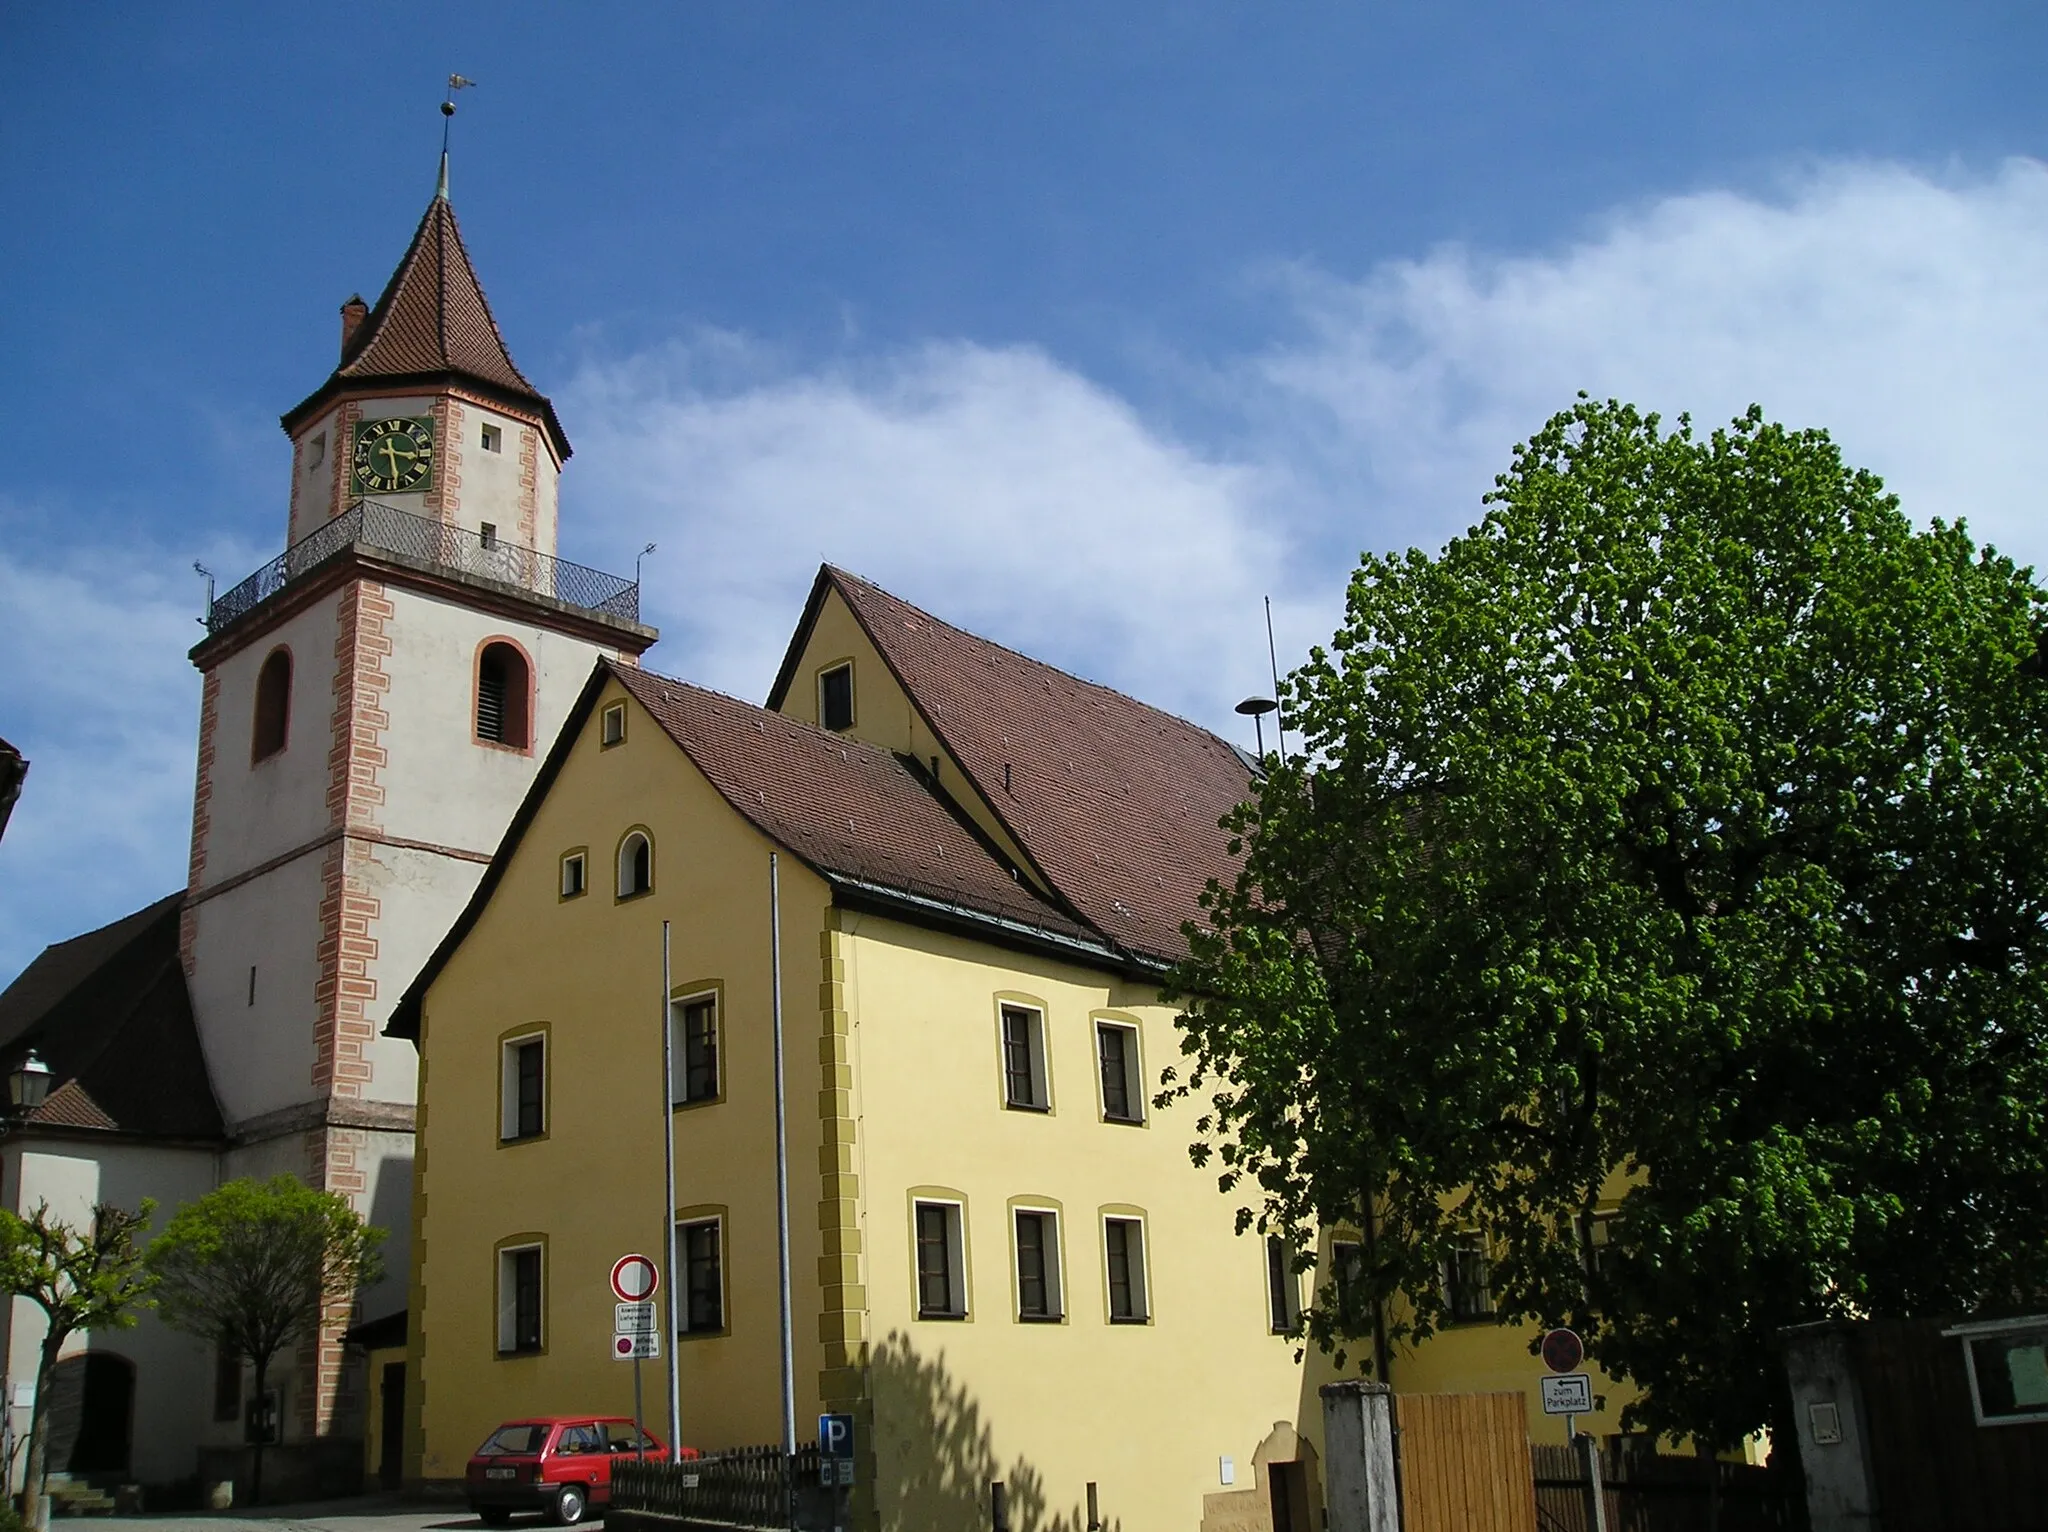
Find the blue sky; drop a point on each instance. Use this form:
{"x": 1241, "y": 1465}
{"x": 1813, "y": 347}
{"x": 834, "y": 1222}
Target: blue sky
{"x": 1085, "y": 326}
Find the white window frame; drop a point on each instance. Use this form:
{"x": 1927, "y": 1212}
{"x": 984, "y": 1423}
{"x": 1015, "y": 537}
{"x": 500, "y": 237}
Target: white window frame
{"x": 580, "y": 860}
{"x": 1141, "y": 1279}
{"x": 611, "y": 725}
{"x": 619, "y": 871}
{"x": 1992, "y": 1329}
{"x": 1040, "y": 1099}
{"x": 491, "y": 438}
{"x": 508, "y": 1298}
{"x": 1055, "y": 1284}
{"x": 679, "y": 1052}
{"x": 956, "y": 1258}
{"x": 1283, "y": 1285}
{"x": 852, "y": 702}
{"x": 508, "y": 1086}
{"x": 1134, "y": 1072}
{"x": 716, "y": 1222}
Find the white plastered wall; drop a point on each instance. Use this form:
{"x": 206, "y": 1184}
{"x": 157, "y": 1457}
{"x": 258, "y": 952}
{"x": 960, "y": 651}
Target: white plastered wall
{"x": 172, "y": 1370}
{"x": 313, "y": 453}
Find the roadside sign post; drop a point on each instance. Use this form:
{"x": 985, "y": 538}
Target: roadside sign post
{"x": 835, "y": 1463}
{"x": 1569, "y": 1393}
{"x": 636, "y": 1328}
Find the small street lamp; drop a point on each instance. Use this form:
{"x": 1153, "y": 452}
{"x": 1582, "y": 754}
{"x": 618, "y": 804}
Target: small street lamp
{"x": 1256, "y": 708}
{"x": 28, "y": 1083}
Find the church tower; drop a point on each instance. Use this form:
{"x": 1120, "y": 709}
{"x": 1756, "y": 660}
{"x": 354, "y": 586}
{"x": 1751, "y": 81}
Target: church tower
{"x": 374, "y": 704}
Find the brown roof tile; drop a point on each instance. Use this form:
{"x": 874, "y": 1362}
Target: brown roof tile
{"x": 1115, "y": 802}
{"x": 68, "y": 1106}
{"x": 849, "y": 809}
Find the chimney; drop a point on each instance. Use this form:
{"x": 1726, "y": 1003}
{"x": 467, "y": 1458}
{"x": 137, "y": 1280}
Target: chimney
{"x": 353, "y": 313}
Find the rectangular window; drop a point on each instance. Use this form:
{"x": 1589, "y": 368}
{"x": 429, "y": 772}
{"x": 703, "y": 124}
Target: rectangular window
{"x": 693, "y": 1049}
{"x": 227, "y": 1385}
{"x": 523, "y": 1088}
{"x": 1347, "y": 1273}
{"x": 2007, "y": 1364}
{"x": 1116, "y": 1049}
{"x": 697, "y": 1242}
{"x": 835, "y": 697}
{"x": 493, "y": 439}
{"x": 574, "y": 875}
{"x": 489, "y": 532}
{"x": 1283, "y": 1293}
{"x": 1038, "y": 1265}
{"x": 1465, "y": 1281}
{"x": 941, "y": 1281}
{"x": 1123, "y": 1248}
{"x": 519, "y": 1301}
{"x": 1024, "y": 1059}
{"x": 614, "y": 724}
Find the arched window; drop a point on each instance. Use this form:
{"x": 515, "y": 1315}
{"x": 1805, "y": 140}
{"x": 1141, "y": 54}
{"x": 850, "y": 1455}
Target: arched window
{"x": 273, "y": 706}
{"x": 636, "y": 864}
{"x": 503, "y": 690}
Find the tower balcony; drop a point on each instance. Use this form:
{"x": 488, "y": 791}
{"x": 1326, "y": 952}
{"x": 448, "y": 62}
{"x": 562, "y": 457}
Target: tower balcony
{"x": 378, "y": 534}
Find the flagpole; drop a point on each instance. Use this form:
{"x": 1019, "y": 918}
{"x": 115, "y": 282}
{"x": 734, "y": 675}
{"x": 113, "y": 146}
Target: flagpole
{"x": 668, "y": 1212}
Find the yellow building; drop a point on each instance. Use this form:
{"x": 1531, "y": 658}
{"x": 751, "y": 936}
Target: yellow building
{"x": 1004, "y": 1263}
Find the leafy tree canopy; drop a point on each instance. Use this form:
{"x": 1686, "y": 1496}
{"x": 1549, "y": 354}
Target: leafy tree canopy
{"x": 1679, "y": 833}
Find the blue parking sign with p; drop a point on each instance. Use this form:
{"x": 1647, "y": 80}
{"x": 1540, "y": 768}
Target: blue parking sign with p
{"x": 835, "y": 1436}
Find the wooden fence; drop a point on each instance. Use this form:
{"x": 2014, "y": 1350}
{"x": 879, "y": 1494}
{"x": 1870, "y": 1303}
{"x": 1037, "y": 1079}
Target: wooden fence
{"x": 1464, "y": 1462}
{"x": 1646, "y": 1492}
{"x": 742, "y": 1487}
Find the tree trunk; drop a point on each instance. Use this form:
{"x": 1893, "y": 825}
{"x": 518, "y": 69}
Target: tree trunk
{"x": 35, "y": 1510}
{"x": 262, "y": 1423}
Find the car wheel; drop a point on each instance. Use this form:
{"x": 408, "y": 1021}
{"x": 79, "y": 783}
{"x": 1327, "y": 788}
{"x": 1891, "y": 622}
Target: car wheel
{"x": 569, "y": 1505}
{"x": 493, "y": 1515}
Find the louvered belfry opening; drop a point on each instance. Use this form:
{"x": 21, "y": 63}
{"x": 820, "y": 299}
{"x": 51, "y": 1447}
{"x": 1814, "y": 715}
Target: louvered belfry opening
{"x": 273, "y": 706}
{"x": 502, "y": 690}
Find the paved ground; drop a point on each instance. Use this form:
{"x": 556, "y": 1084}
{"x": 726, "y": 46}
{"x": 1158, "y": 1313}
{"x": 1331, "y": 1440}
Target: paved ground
{"x": 364, "y": 1513}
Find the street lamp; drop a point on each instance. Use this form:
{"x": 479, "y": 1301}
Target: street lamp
{"x": 28, "y": 1083}
{"x": 1256, "y": 708}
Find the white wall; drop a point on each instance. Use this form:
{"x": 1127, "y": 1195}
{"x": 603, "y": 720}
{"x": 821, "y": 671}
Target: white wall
{"x": 173, "y": 1371}
{"x": 260, "y": 1056}
{"x": 313, "y": 454}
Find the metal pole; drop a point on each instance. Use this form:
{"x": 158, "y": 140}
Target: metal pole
{"x": 1596, "y": 1498}
{"x": 639, "y": 1429}
{"x": 1273, "y": 659}
{"x": 782, "y": 1186}
{"x": 668, "y": 1210}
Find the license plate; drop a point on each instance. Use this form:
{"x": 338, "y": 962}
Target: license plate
{"x": 501, "y": 1473}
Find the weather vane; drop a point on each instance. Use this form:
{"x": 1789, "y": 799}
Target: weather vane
{"x": 455, "y": 82}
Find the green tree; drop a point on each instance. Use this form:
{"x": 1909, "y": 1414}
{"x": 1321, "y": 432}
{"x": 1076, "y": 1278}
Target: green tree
{"x": 255, "y": 1266}
{"x": 91, "y": 1279}
{"x": 1684, "y": 824}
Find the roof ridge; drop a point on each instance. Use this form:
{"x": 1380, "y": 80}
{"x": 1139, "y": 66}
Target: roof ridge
{"x": 1034, "y": 663}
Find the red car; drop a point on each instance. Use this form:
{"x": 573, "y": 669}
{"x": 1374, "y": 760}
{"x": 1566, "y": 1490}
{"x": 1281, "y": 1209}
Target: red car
{"x": 557, "y": 1464}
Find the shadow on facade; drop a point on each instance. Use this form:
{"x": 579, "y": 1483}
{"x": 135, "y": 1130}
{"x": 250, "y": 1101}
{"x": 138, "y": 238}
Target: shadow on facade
{"x": 938, "y": 1453}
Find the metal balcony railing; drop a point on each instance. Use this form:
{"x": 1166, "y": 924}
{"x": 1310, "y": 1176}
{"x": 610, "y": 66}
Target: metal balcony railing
{"x": 434, "y": 542}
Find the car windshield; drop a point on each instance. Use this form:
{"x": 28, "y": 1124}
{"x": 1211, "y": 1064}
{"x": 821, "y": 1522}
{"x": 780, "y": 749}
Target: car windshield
{"x": 513, "y": 1439}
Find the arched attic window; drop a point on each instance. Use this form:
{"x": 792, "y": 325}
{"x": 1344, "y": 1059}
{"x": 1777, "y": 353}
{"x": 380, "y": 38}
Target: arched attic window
{"x": 504, "y": 689}
{"x": 636, "y": 864}
{"x": 273, "y": 706}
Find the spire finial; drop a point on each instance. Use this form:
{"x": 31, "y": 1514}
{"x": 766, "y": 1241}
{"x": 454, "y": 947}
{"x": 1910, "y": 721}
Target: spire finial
{"x": 455, "y": 82}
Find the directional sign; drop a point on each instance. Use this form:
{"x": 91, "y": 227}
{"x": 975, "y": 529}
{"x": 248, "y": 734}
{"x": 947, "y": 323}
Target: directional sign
{"x": 634, "y": 1278}
{"x": 1563, "y": 1350}
{"x": 1571, "y": 1394}
{"x": 635, "y": 1319}
{"x": 626, "y": 1347}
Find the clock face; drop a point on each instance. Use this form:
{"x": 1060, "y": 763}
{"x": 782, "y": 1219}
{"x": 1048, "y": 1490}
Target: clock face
{"x": 394, "y": 456}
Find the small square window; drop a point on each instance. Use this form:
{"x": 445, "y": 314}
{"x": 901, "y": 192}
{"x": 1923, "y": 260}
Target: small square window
{"x": 1123, "y": 1252}
{"x": 1283, "y": 1292}
{"x": 1038, "y": 1265}
{"x": 613, "y": 726}
{"x": 575, "y": 874}
{"x": 693, "y": 1049}
{"x": 489, "y": 533}
{"x": 1024, "y": 1079}
{"x": 493, "y": 439}
{"x": 835, "y": 697}
{"x": 519, "y": 1301}
{"x": 1116, "y": 1050}
{"x": 523, "y": 1089}
{"x": 703, "y": 1307}
{"x": 941, "y": 1262}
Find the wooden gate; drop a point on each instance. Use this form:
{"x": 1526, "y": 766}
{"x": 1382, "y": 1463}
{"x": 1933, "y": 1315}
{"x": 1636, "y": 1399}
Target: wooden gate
{"x": 1464, "y": 1463}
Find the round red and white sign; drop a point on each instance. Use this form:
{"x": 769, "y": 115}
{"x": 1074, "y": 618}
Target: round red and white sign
{"x": 623, "y": 1344}
{"x": 634, "y": 1278}
{"x": 1563, "y": 1350}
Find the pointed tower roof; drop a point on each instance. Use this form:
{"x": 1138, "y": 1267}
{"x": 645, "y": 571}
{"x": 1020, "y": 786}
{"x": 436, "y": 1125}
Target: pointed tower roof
{"x": 432, "y": 325}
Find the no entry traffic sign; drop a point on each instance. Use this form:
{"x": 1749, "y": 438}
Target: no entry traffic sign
{"x": 634, "y": 1278}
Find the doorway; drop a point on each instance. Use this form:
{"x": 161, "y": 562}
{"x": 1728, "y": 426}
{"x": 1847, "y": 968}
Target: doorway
{"x": 92, "y": 1413}
{"x": 391, "y": 1427}
{"x": 1287, "y": 1484}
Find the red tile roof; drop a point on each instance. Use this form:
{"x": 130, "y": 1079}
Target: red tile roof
{"x": 432, "y": 321}
{"x": 851, "y": 810}
{"x": 1115, "y": 802}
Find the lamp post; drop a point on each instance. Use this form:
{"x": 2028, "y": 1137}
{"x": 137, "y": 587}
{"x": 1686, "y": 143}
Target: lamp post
{"x": 28, "y": 1084}
{"x": 1256, "y": 708}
